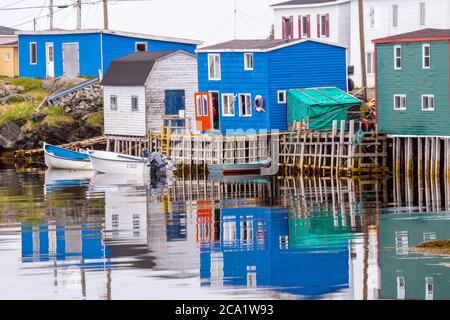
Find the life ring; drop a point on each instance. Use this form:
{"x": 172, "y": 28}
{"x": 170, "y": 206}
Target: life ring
{"x": 259, "y": 103}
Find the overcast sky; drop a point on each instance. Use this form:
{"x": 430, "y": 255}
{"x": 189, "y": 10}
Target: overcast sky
{"x": 207, "y": 20}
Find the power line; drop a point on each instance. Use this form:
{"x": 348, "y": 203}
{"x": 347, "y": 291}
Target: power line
{"x": 12, "y": 4}
{"x": 66, "y": 5}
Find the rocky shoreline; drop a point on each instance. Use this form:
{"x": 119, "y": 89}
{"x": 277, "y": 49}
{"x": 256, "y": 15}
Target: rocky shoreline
{"x": 76, "y": 116}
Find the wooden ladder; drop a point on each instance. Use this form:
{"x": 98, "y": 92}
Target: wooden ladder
{"x": 165, "y": 140}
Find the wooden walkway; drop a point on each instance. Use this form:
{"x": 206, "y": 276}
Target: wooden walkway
{"x": 345, "y": 151}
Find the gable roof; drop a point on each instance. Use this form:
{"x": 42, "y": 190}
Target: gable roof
{"x": 418, "y": 35}
{"x": 258, "y": 45}
{"x": 134, "y": 69}
{"x": 303, "y": 2}
{"x": 7, "y": 31}
{"x": 9, "y": 43}
{"x": 112, "y": 32}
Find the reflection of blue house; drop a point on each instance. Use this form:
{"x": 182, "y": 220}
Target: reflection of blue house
{"x": 236, "y": 72}
{"x": 254, "y": 250}
{"x": 59, "y": 243}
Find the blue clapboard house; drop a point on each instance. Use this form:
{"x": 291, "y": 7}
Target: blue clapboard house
{"x": 48, "y": 54}
{"x": 244, "y": 82}
{"x": 261, "y": 247}
{"x": 44, "y": 243}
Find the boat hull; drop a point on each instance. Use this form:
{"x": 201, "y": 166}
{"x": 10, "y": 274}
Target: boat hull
{"x": 102, "y": 163}
{"x": 54, "y": 162}
{"x": 237, "y": 168}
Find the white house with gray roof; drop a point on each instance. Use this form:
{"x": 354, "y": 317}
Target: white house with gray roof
{"x": 139, "y": 90}
{"x": 337, "y": 21}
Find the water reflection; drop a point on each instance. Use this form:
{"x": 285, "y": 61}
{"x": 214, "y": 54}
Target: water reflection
{"x": 80, "y": 235}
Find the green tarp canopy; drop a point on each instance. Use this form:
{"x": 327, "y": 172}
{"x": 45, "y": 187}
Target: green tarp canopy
{"x": 320, "y": 105}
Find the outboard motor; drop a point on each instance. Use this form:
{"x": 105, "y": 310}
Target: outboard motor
{"x": 159, "y": 165}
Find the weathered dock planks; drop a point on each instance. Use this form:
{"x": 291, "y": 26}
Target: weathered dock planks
{"x": 345, "y": 150}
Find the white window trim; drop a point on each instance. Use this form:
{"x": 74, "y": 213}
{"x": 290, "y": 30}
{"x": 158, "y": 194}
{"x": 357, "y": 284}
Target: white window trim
{"x": 223, "y": 105}
{"x": 392, "y": 21}
{"x": 428, "y": 96}
{"x": 395, "y": 57}
{"x": 285, "y": 96}
{"x": 138, "y": 43}
{"x": 137, "y": 99}
{"x": 426, "y": 45}
{"x": 246, "y": 67}
{"x": 110, "y": 104}
{"x": 33, "y": 63}
{"x": 240, "y": 107}
{"x": 401, "y": 96}
{"x": 304, "y": 30}
{"x": 371, "y": 9}
{"x": 424, "y": 14}
{"x": 322, "y": 35}
{"x": 371, "y": 63}
{"x": 211, "y": 56}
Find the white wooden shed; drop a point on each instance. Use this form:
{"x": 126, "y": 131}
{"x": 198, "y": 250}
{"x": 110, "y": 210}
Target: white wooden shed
{"x": 142, "y": 88}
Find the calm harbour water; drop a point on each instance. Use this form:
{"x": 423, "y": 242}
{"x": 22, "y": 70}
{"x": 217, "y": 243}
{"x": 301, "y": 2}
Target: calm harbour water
{"x": 75, "y": 235}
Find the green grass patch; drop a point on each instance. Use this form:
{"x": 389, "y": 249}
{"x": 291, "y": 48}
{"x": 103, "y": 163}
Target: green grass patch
{"x": 95, "y": 120}
{"x": 17, "y": 111}
{"x": 27, "y": 83}
{"x": 57, "y": 120}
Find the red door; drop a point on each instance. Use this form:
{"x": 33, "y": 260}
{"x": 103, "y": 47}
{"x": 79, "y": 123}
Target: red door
{"x": 203, "y": 114}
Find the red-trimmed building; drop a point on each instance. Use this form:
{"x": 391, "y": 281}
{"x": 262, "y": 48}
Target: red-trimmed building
{"x": 413, "y": 83}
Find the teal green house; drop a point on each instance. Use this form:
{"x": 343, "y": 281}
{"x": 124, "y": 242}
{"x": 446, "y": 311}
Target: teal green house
{"x": 413, "y": 83}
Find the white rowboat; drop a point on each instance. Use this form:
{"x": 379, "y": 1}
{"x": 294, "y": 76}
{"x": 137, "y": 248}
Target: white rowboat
{"x": 60, "y": 158}
{"x": 116, "y": 163}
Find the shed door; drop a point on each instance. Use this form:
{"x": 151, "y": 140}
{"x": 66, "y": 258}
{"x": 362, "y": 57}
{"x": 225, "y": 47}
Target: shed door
{"x": 203, "y": 111}
{"x": 50, "y": 59}
{"x": 71, "y": 63}
{"x": 174, "y": 102}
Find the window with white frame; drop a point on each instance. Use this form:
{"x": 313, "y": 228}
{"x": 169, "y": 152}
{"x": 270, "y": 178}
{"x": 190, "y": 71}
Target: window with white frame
{"x": 428, "y": 102}
{"x": 422, "y": 14}
{"x": 372, "y": 17}
{"x": 214, "y": 72}
{"x": 395, "y": 15}
{"x": 397, "y": 57}
{"x": 134, "y": 103}
{"x": 248, "y": 61}
{"x": 228, "y": 105}
{"x": 323, "y": 25}
{"x": 7, "y": 57}
{"x": 370, "y": 63}
{"x": 245, "y": 105}
{"x": 399, "y": 102}
{"x": 33, "y": 53}
{"x": 113, "y": 103}
{"x": 281, "y": 96}
{"x": 141, "y": 46}
{"x": 426, "y": 56}
{"x": 305, "y": 26}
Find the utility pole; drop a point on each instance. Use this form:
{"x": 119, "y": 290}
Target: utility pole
{"x": 78, "y": 14}
{"x": 51, "y": 14}
{"x": 362, "y": 47}
{"x": 34, "y": 24}
{"x": 105, "y": 14}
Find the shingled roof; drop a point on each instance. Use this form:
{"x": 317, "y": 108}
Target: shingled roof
{"x": 7, "y": 31}
{"x": 258, "y": 45}
{"x": 134, "y": 69}
{"x": 428, "y": 34}
{"x": 301, "y": 2}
